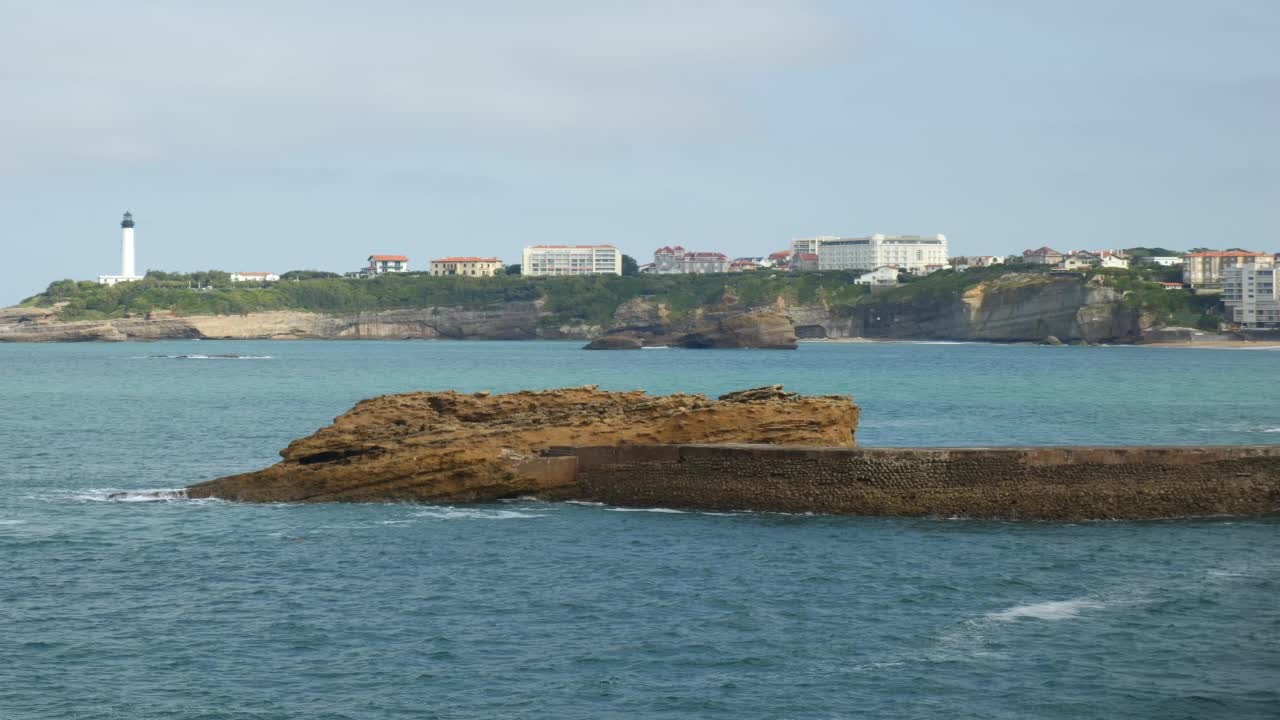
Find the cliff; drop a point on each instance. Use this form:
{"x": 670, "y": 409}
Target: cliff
{"x": 454, "y": 447}
{"x": 1008, "y": 308}
{"x": 1017, "y": 307}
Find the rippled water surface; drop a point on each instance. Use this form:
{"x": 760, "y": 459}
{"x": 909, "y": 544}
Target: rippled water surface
{"x": 116, "y": 606}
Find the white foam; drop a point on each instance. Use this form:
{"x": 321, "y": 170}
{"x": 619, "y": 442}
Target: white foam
{"x": 587, "y": 503}
{"x": 229, "y": 356}
{"x": 651, "y": 510}
{"x": 117, "y": 495}
{"x": 453, "y": 513}
{"x": 13, "y": 522}
{"x": 1057, "y": 610}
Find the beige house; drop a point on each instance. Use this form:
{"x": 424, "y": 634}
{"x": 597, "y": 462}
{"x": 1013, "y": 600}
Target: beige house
{"x": 469, "y": 266}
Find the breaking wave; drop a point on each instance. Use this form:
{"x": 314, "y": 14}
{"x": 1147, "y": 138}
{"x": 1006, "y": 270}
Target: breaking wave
{"x": 1057, "y": 610}
{"x": 454, "y": 513}
{"x": 203, "y": 357}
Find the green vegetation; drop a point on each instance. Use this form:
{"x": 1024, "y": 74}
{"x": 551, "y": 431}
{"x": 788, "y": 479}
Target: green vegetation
{"x": 584, "y": 299}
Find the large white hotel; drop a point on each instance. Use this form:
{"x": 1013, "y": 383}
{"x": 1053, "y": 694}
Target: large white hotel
{"x": 571, "y": 260}
{"x": 913, "y": 253}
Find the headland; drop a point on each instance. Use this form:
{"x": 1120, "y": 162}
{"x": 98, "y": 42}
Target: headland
{"x": 757, "y": 309}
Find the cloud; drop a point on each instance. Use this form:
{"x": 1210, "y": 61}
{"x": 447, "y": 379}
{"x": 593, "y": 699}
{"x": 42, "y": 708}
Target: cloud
{"x": 144, "y": 81}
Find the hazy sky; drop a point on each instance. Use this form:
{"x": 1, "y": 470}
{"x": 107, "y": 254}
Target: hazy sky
{"x": 286, "y": 135}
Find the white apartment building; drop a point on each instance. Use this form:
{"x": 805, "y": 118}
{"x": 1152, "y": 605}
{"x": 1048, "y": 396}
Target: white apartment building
{"x": 809, "y": 246}
{"x": 254, "y": 277}
{"x": 1251, "y": 293}
{"x": 571, "y": 260}
{"x": 912, "y": 253}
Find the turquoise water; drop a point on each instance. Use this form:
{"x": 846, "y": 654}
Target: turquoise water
{"x": 181, "y": 609}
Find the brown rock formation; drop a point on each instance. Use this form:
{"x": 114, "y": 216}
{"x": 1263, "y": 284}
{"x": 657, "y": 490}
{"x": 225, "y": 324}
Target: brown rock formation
{"x": 615, "y": 342}
{"x": 759, "y": 329}
{"x": 455, "y": 447}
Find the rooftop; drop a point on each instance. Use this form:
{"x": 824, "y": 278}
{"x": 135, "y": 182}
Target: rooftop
{"x": 388, "y": 258}
{"x": 467, "y": 259}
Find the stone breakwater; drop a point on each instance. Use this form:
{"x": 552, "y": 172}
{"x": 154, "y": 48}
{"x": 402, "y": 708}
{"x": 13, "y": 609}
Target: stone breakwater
{"x": 1029, "y": 483}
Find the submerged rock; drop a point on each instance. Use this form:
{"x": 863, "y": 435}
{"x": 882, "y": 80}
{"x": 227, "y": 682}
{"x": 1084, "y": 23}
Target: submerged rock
{"x": 614, "y": 342}
{"x": 458, "y": 447}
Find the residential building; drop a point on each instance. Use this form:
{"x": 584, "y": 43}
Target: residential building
{"x": 809, "y": 246}
{"x": 254, "y": 277}
{"x": 1114, "y": 260}
{"x": 804, "y": 261}
{"x": 571, "y": 260}
{"x": 777, "y": 259}
{"x": 1079, "y": 260}
{"x": 1162, "y": 260}
{"x": 886, "y": 276}
{"x": 1042, "y": 256}
{"x": 1251, "y": 293}
{"x": 676, "y": 260}
{"x": 469, "y": 266}
{"x": 745, "y": 265}
{"x": 979, "y": 260}
{"x": 1203, "y": 270}
{"x": 912, "y": 253}
{"x": 380, "y": 264}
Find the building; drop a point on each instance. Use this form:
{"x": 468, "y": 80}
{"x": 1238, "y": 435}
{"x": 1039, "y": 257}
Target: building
{"x": 809, "y": 246}
{"x": 1116, "y": 261}
{"x": 1161, "y": 260}
{"x": 745, "y": 265}
{"x": 973, "y": 261}
{"x": 778, "y": 259}
{"x": 381, "y": 264}
{"x": 1042, "y": 256}
{"x": 676, "y": 260}
{"x": 254, "y": 277}
{"x": 1203, "y": 270}
{"x": 886, "y": 276}
{"x": 804, "y": 261}
{"x": 571, "y": 260}
{"x": 128, "y": 272}
{"x": 1251, "y": 293}
{"x": 912, "y": 253}
{"x": 469, "y": 266}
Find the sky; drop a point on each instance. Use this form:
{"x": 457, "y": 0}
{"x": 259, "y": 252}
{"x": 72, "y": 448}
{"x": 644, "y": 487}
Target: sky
{"x": 277, "y": 135}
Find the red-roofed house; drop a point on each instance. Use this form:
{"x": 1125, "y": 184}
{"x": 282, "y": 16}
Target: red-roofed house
{"x": 1042, "y": 256}
{"x": 379, "y": 264}
{"x": 673, "y": 260}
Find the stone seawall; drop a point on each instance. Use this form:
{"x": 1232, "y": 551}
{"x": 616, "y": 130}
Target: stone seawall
{"x": 1040, "y": 483}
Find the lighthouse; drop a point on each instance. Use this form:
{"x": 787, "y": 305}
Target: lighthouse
{"x": 128, "y": 270}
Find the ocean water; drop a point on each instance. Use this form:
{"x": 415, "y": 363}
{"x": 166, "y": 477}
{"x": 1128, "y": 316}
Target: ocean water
{"x": 141, "y": 608}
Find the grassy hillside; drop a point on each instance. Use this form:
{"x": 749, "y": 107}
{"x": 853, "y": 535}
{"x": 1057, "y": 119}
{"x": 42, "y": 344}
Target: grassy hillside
{"x": 590, "y": 299}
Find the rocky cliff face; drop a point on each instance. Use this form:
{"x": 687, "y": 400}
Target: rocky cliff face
{"x": 1012, "y": 308}
{"x": 454, "y": 447}
{"x": 1015, "y": 307}
{"x": 510, "y": 321}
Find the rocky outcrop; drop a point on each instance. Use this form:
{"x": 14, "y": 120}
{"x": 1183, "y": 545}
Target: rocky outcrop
{"x": 615, "y": 342}
{"x": 767, "y": 329}
{"x": 455, "y": 447}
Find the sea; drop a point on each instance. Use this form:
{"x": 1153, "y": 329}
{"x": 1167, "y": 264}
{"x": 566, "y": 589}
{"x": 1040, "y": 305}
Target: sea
{"x": 120, "y": 602}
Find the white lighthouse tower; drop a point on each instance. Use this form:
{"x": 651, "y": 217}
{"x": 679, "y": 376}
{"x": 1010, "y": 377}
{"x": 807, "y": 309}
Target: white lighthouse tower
{"x": 128, "y": 271}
